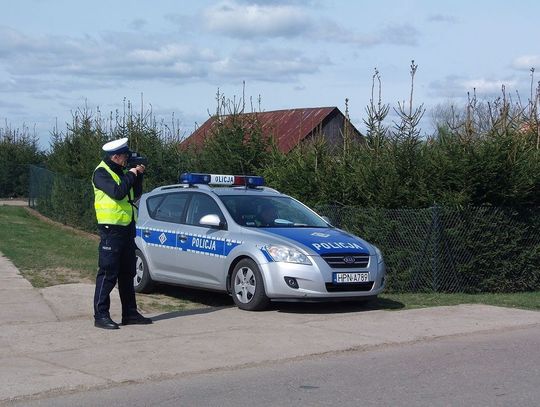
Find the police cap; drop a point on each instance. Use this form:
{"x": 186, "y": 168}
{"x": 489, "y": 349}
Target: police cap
{"x": 119, "y": 146}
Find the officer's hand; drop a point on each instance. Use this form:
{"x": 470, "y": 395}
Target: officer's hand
{"x": 139, "y": 169}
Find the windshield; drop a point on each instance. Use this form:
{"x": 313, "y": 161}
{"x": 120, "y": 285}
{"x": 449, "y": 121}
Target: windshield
{"x": 270, "y": 211}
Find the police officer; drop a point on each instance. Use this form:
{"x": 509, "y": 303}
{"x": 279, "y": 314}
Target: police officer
{"x": 268, "y": 214}
{"x": 115, "y": 189}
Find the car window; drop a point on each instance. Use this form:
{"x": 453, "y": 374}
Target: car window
{"x": 202, "y": 205}
{"x": 270, "y": 211}
{"x": 152, "y": 204}
{"x": 167, "y": 207}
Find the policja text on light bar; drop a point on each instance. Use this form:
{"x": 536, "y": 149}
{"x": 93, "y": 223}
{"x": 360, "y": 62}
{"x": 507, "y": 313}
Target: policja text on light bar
{"x": 221, "y": 179}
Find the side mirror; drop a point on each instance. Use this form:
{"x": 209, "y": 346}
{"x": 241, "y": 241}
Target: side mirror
{"x": 211, "y": 220}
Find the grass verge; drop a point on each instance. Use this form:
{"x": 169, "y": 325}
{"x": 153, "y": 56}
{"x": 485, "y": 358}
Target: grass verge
{"x": 45, "y": 253}
{"x": 49, "y": 254}
{"x": 526, "y": 300}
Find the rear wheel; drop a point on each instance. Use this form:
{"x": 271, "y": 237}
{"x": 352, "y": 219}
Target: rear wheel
{"x": 142, "y": 282}
{"x": 247, "y": 286}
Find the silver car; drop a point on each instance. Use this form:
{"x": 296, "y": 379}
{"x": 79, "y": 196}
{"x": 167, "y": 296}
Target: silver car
{"x": 250, "y": 241}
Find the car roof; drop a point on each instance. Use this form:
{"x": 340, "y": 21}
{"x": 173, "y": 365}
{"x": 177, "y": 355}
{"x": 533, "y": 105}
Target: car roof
{"x": 245, "y": 191}
{"x": 220, "y": 191}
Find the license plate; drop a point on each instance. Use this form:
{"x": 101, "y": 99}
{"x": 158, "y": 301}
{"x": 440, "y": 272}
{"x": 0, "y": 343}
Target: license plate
{"x": 350, "y": 277}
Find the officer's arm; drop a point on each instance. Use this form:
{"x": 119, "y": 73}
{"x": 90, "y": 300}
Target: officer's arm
{"x": 104, "y": 181}
{"x": 137, "y": 186}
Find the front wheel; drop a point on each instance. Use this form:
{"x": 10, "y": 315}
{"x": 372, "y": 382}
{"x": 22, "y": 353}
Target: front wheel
{"x": 142, "y": 282}
{"x": 247, "y": 286}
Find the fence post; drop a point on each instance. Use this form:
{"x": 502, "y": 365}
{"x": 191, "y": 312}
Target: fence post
{"x": 435, "y": 260}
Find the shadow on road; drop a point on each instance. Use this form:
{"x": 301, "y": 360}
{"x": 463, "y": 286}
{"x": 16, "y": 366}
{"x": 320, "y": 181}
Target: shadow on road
{"x": 337, "y": 307}
{"x": 176, "y": 314}
{"x": 203, "y": 301}
{"x": 213, "y": 301}
{"x": 207, "y": 298}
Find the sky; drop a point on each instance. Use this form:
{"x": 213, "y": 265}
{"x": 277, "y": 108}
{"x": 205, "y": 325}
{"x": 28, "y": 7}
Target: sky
{"x": 171, "y": 57}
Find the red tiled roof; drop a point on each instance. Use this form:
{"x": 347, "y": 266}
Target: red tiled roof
{"x": 288, "y": 127}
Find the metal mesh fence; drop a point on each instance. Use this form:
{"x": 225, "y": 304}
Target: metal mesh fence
{"x": 436, "y": 249}
{"x": 62, "y": 198}
{"x": 440, "y": 249}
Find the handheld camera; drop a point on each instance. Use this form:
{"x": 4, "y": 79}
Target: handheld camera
{"x": 135, "y": 159}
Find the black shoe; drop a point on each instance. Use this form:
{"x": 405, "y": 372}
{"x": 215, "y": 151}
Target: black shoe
{"x": 105, "y": 323}
{"x": 136, "y": 319}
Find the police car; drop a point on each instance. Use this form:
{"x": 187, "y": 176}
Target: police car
{"x": 229, "y": 233}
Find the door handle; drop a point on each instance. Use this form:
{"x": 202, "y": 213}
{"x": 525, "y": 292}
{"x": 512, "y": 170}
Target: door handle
{"x": 146, "y": 233}
{"x": 182, "y": 238}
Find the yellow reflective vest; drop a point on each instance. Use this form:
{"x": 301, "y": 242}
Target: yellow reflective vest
{"x": 110, "y": 211}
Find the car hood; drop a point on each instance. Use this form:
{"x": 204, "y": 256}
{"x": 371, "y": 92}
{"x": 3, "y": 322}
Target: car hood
{"x": 322, "y": 240}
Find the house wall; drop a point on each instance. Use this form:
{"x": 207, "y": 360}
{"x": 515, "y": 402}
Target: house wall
{"x": 333, "y": 130}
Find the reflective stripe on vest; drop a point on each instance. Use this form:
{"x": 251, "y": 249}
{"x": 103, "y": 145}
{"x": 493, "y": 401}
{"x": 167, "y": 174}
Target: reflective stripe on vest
{"x": 108, "y": 210}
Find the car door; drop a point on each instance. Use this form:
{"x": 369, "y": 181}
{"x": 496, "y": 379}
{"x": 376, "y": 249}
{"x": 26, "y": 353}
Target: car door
{"x": 203, "y": 248}
{"x": 159, "y": 233}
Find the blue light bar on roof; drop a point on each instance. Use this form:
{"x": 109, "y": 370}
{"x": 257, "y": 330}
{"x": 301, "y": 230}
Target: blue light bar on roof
{"x": 221, "y": 179}
{"x": 194, "y": 178}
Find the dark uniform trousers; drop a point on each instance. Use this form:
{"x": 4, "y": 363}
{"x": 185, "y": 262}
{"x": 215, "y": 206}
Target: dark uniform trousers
{"x": 116, "y": 264}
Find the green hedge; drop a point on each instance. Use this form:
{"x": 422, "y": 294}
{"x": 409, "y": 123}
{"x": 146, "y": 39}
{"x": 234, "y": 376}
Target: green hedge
{"x": 17, "y": 151}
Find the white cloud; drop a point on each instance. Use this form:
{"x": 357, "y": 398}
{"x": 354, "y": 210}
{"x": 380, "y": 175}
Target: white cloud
{"x": 170, "y": 54}
{"x": 119, "y": 57}
{"x": 10, "y": 105}
{"x": 38, "y": 85}
{"x": 274, "y": 20}
{"x": 487, "y": 86}
{"x": 398, "y": 34}
{"x": 13, "y": 42}
{"x": 457, "y": 86}
{"x": 110, "y": 60}
{"x": 442, "y": 18}
{"x": 527, "y": 62}
{"x": 267, "y": 64}
{"x": 256, "y": 20}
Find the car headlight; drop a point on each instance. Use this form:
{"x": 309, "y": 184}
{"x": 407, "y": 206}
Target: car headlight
{"x": 287, "y": 254}
{"x": 379, "y": 255}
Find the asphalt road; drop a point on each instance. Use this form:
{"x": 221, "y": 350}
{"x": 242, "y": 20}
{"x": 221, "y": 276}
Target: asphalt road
{"x": 500, "y": 368}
